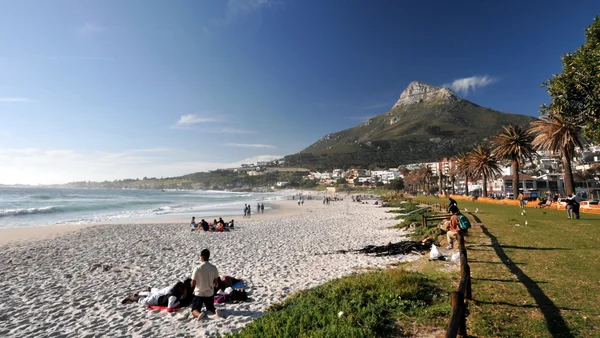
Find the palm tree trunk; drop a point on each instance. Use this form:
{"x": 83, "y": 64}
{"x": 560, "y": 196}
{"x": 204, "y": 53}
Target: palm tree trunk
{"x": 515, "y": 168}
{"x": 467, "y": 184}
{"x": 484, "y": 186}
{"x": 569, "y": 181}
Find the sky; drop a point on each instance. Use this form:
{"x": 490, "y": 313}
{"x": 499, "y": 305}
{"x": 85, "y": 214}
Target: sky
{"x": 104, "y": 90}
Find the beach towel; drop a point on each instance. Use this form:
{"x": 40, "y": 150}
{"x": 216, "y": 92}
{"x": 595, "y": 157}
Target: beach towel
{"x": 163, "y": 308}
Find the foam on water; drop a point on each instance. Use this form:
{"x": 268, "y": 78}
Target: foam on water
{"x": 45, "y": 206}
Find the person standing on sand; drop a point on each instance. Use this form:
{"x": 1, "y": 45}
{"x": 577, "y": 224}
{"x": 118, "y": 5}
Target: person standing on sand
{"x": 249, "y": 211}
{"x": 204, "y": 279}
{"x": 245, "y": 210}
{"x": 262, "y": 208}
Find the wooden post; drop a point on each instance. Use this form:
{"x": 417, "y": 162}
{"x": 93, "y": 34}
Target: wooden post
{"x": 468, "y": 291}
{"x": 423, "y": 221}
{"x": 457, "y": 320}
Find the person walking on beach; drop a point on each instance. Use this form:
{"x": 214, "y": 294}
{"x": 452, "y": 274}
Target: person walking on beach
{"x": 249, "y": 211}
{"x": 262, "y": 208}
{"x": 204, "y": 279}
{"x": 245, "y": 210}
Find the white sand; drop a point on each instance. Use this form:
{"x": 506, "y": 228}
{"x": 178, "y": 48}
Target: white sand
{"x": 71, "y": 285}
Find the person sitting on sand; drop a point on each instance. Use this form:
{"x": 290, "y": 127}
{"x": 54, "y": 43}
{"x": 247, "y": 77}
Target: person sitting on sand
{"x": 169, "y": 296}
{"x": 221, "y": 221}
{"x": 226, "y": 282}
{"x": 204, "y": 278}
{"x": 193, "y": 224}
{"x": 204, "y": 225}
{"x": 230, "y": 224}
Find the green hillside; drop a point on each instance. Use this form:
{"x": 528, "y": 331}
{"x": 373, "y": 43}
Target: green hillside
{"x": 436, "y": 124}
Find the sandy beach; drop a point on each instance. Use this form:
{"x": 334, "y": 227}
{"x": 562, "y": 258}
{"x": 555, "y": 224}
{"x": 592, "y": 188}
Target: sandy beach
{"x": 70, "y": 283}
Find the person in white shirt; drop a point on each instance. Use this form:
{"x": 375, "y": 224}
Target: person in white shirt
{"x": 169, "y": 296}
{"x": 204, "y": 279}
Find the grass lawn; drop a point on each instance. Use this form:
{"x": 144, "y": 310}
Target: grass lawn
{"x": 536, "y": 280}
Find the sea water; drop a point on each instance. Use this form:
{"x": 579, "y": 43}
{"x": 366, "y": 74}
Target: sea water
{"x": 48, "y": 206}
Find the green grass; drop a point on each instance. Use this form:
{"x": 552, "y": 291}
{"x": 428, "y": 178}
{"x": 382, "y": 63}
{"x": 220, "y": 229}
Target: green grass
{"x": 381, "y": 303}
{"x": 536, "y": 280}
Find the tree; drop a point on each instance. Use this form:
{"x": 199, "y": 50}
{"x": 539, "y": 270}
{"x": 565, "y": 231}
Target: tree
{"x": 514, "y": 144}
{"x": 483, "y": 162}
{"x": 397, "y": 184}
{"x": 575, "y": 93}
{"x": 463, "y": 167}
{"x": 340, "y": 180}
{"x": 561, "y": 136}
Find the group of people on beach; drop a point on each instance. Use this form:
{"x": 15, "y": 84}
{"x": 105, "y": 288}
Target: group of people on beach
{"x": 260, "y": 208}
{"x": 198, "y": 291}
{"x": 219, "y": 225}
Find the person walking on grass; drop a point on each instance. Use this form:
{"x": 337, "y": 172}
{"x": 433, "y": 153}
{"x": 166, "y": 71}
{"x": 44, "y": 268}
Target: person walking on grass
{"x": 204, "y": 279}
{"x": 453, "y": 228}
{"x": 521, "y": 199}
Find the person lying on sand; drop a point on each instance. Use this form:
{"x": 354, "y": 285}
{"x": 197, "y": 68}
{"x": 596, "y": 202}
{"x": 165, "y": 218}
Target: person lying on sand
{"x": 226, "y": 282}
{"x": 170, "y": 296}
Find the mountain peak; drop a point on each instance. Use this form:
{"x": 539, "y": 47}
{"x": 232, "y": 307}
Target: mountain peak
{"x": 418, "y": 92}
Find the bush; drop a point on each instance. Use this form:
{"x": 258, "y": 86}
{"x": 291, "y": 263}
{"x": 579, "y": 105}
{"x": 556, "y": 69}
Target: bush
{"x": 372, "y": 302}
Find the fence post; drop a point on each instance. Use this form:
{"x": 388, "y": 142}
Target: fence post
{"x": 457, "y": 321}
{"x": 423, "y": 221}
{"x": 468, "y": 291}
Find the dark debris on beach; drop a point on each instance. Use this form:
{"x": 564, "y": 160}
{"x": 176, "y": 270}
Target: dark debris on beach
{"x": 391, "y": 249}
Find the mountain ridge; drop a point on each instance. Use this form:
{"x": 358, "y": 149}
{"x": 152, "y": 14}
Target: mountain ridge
{"x": 427, "y": 123}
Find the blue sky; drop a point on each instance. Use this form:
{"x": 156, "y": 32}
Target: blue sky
{"x": 95, "y": 90}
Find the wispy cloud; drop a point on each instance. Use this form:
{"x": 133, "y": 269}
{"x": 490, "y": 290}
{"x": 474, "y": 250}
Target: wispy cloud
{"x": 378, "y": 105}
{"x": 191, "y": 119}
{"x": 239, "y": 8}
{"x": 360, "y": 118}
{"x": 252, "y": 145}
{"x": 467, "y": 84}
{"x": 90, "y": 28}
{"x": 236, "y": 131}
{"x": 15, "y": 99}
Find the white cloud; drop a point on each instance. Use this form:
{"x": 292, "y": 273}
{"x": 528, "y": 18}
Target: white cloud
{"x": 90, "y": 28}
{"x": 464, "y": 85}
{"x": 236, "y": 131}
{"x": 190, "y": 119}
{"x": 361, "y": 118}
{"x": 240, "y": 8}
{"x": 252, "y": 145}
{"x": 15, "y": 99}
{"x": 53, "y": 166}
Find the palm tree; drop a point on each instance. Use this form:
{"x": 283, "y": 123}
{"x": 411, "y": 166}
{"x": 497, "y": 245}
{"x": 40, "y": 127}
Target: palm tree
{"x": 559, "y": 135}
{"x": 452, "y": 173}
{"x": 514, "y": 144}
{"x": 484, "y": 163}
{"x": 463, "y": 167}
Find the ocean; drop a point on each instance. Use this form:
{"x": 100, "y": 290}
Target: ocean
{"x": 48, "y": 206}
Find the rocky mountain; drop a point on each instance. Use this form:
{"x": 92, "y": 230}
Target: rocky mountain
{"x": 426, "y": 124}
